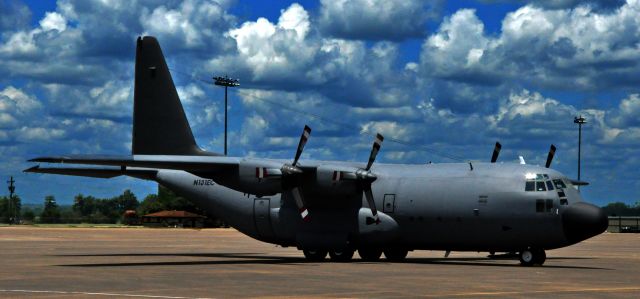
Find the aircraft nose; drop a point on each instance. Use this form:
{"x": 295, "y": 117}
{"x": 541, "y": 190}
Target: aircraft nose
{"x": 581, "y": 221}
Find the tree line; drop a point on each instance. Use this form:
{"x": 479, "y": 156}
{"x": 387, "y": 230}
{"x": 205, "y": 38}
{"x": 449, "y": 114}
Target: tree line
{"x": 89, "y": 209}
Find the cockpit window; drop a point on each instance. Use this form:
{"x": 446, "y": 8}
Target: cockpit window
{"x": 540, "y": 186}
{"x": 530, "y": 186}
{"x": 559, "y": 184}
{"x": 538, "y": 182}
{"x": 549, "y": 185}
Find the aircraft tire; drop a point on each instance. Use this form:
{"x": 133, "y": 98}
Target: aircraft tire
{"x": 370, "y": 254}
{"x": 342, "y": 255}
{"x": 315, "y": 255}
{"x": 539, "y": 256}
{"x": 395, "y": 255}
{"x": 527, "y": 257}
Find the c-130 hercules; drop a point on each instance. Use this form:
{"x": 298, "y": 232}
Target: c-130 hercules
{"x": 319, "y": 207}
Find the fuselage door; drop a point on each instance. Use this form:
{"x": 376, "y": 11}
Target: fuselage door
{"x": 389, "y": 203}
{"x": 262, "y": 218}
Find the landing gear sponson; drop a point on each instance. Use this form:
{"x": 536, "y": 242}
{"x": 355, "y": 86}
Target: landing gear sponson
{"x": 527, "y": 257}
{"x": 346, "y": 255}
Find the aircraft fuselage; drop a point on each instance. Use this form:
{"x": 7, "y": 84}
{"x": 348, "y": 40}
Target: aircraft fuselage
{"x": 431, "y": 206}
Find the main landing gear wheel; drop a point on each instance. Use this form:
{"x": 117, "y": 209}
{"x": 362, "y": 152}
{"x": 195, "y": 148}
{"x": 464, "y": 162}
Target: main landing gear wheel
{"x": 530, "y": 257}
{"x": 342, "y": 255}
{"x": 315, "y": 255}
{"x": 395, "y": 255}
{"x": 370, "y": 254}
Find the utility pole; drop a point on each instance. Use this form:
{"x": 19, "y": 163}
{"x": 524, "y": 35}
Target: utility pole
{"x": 226, "y": 82}
{"x": 12, "y": 189}
{"x": 580, "y": 121}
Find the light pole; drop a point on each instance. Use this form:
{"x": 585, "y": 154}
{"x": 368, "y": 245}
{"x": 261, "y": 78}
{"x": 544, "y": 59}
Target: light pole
{"x": 12, "y": 188}
{"x": 580, "y": 121}
{"x": 226, "y": 82}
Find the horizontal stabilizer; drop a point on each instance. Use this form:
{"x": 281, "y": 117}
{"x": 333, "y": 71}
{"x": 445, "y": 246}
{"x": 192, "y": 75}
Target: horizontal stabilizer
{"x": 186, "y": 163}
{"x": 104, "y": 173}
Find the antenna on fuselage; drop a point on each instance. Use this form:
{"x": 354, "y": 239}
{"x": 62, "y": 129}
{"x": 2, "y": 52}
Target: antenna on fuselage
{"x": 552, "y": 152}
{"x": 496, "y": 152}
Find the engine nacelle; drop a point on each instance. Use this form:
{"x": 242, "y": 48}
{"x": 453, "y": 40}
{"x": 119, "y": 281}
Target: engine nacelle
{"x": 336, "y": 180}
{"x": 258, "y": 177}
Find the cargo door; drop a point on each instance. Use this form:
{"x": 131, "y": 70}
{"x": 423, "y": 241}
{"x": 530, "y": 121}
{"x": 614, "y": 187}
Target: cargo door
{"x": 262, "y": 218}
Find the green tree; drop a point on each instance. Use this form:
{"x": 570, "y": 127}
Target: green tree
{"x": 51, "y": 213}
{"x": 621, "y": 209}
{"x": 126, "y": 201}
{"x": 28, "y": 214}
{"x": 84, "y": 205}
{"x": 150, "y": 204}
{"x": 15, "y": 205}
{"x": 166, "y": 200}
{"x": 172, "y": 201}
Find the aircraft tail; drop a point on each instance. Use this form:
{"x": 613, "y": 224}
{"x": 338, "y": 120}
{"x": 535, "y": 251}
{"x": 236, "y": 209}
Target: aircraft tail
{"x": 160, "y": 126}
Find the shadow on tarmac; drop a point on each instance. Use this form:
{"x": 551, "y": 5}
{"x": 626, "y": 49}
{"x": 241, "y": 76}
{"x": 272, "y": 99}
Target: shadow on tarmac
{"x": 255, "y": 258}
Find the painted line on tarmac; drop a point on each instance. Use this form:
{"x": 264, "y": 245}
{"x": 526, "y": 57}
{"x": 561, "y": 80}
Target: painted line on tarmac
{"x": 511, "y": 293}
{"x": 97, "y": 294}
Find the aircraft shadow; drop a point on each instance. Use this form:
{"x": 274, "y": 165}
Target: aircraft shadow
{"x": 491, "y": 262}
{"x": 255, "y": 258}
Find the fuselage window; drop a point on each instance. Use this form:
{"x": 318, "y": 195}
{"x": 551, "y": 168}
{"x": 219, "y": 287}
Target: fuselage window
{"x": 540, "y": 186}
{"x": 549, "y": 185}
{"x": 549, "y": 205}
{"x": 530, "y": 186}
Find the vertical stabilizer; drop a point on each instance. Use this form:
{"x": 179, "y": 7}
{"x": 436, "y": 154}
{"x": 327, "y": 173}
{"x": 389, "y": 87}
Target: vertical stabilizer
{"x": 160, "y": 126}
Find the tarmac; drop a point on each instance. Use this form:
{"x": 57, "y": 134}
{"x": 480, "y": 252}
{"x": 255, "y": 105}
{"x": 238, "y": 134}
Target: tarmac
{"x": 222, "y": 263}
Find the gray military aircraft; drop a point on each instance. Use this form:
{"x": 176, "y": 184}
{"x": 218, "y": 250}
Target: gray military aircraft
{"x": 332, "y": 206}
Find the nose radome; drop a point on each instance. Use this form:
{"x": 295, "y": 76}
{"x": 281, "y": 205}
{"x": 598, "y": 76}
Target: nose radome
{"x": 581, "y": 221}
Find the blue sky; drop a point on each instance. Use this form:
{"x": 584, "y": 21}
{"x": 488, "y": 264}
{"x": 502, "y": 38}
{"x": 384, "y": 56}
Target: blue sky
{"x": 447, "y": 79}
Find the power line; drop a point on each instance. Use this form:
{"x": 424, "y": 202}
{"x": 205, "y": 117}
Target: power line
{"x": 330, "y": 120}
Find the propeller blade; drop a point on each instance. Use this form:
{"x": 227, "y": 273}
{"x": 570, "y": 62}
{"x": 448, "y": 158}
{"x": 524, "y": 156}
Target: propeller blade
{"x": 552, "y": 152}
{"x": 297, "y": 196}
{"x": 302, "y": 143}
{"x": 374, "y": 150}
{"x": 372, "y": 204}
{"x": 496, "y": 152}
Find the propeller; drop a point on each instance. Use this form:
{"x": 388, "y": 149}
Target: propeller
{"x": 290, "y": 175}
{"x": 496, "y": 152}
{"x": 366, "y": 178}
{"x": 552, "y": 152}
{"x": 363, "y": 178}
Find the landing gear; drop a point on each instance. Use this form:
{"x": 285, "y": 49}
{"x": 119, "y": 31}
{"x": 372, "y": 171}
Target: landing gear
{"x": 395, "y": 255}
{"x": 342, "y": 255}
{"x": 315, "y": 255}
{"x": 370, "y": 254}
{"x": 530, "y": 257}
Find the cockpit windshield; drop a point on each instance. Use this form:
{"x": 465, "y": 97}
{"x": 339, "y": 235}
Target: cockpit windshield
{"x": 540, "y": 182}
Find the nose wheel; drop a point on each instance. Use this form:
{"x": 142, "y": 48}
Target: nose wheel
{"x": 532, "y": 256}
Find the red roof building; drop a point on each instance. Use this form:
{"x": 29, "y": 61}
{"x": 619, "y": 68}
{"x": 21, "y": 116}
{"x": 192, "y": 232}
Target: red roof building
{"x": 173, "y": 219}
